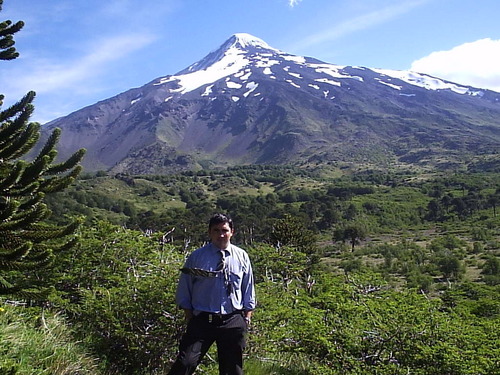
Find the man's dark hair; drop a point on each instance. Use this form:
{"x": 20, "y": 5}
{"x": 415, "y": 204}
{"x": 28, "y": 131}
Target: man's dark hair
{"x": 220, "y": 219}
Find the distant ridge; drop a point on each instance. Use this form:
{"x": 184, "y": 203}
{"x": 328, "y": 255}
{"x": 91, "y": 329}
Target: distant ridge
{"x": 249, "y": 103}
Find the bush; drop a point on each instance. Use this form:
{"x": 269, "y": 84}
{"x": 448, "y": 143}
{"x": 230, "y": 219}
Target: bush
{"x": 120, "y": 297}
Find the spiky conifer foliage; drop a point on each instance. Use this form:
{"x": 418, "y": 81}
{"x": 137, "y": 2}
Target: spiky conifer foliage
{"x": 27, "y": 242}
{"x": 7, "y": 31}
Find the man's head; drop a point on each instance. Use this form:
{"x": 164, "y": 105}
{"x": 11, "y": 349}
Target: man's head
{"x": 220, "y": 230}
{"x": 220, "y": 219}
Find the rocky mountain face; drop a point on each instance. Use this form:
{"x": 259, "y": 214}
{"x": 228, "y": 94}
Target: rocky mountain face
{"x": 249, "y": 103}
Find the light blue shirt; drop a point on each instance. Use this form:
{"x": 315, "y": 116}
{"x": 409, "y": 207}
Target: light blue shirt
{"x": 209, "y": 294}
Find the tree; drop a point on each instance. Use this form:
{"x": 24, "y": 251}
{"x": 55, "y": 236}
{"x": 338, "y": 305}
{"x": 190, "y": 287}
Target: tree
{"x": 491, "y": 266}
{"x": 291, "y": 231}
{"x": 450, "y": 265}
{"x": 27, "y": 242}
{"x": 435, "y": 211}
{"x": 493, "y": 202}
{"x": 354, "y": 233}
{"x": 491, "y": 271}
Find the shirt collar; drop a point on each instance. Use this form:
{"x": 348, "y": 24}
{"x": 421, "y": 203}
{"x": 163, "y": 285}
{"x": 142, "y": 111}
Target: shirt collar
{"x": 226, "y": 250}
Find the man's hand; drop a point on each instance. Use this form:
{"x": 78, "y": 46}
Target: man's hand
{"x": 188, "y": 314}
{"x": 248, "y": 317}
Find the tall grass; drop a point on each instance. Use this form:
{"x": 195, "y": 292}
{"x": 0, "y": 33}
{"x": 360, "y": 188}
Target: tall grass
{"x": 280, "y": 364}
{"x": 33, "y": 342}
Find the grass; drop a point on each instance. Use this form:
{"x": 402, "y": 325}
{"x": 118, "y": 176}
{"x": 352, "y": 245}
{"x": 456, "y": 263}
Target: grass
{"x": 40, "y": 344}
{"x": 292, "y": 364}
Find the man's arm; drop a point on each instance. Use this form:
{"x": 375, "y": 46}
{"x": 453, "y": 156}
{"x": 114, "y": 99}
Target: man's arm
{"x": 183, "y": 295}
{"x": 248, "y": 293}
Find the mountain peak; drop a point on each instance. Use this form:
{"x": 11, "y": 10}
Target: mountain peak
{"x": 237, "y": 44}
{"x": 244, "y": 41}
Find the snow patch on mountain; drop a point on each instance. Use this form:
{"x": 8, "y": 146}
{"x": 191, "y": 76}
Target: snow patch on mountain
{"x": 233, "y": 61}
{"x": 334, "y": 71}
{"x": 265, "y": 62}
{"x": 396, "y": 87}
{"x": 251, "y": 86}
{"x": 329, "y": 81}
{"x": 244, "y": 75}
{"x": 233, "y": 85}
{"x": 208, "y": 90}
{"x": 425, "y": 81}
{"x": 295, "y": 59}
{"x": 268, "y": 71}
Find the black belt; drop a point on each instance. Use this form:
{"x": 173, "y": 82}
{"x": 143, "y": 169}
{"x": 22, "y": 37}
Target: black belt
{"x": 212, "y": 317}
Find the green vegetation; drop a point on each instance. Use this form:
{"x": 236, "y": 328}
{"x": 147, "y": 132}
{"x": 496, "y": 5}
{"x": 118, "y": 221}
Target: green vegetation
{"x": 36, "y": 341}
{"x": 417, "y": 293}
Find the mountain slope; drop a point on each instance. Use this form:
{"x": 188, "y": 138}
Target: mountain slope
{"x": 247, "y": 102}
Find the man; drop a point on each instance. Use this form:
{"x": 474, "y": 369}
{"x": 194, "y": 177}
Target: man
{"x": 216, "y": 291}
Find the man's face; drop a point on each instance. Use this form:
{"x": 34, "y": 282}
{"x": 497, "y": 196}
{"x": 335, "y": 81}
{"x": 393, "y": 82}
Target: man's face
{"x": 220, "y": 235}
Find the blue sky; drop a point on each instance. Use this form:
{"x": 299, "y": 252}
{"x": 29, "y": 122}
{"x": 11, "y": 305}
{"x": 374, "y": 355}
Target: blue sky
{"x": 75, "y": 53}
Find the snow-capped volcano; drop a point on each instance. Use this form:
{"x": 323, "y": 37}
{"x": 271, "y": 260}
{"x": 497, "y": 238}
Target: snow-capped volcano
{"x": 243, "y": 54}
{"x": 248, "y": 102}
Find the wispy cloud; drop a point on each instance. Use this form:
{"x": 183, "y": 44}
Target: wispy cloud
{"x": 93, "y": 45}
{"x": 44, "y": 75}
{"x": 359, "y": 22}
{"x": 59, "y": 82}
{"x": 292, "y": 3}
{"x": 476, "y": 64}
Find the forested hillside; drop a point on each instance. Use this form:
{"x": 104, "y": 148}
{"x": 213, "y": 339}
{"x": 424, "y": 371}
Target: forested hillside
{"x": 358, "y": 272}
{"x": 369, "y": 272}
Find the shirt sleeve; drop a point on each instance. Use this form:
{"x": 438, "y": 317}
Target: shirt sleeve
{"x": 184, "y": 292}
{"x": 248, "y": 289}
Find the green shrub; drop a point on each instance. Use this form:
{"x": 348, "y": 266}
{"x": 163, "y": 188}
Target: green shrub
{"x": 120, "y": 296}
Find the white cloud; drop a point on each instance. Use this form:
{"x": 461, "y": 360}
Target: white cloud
{"x": 475, "y": 64}
{"x": 292, "y": 3}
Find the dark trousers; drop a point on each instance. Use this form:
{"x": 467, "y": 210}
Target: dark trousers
{"x": 202, "y": 331}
